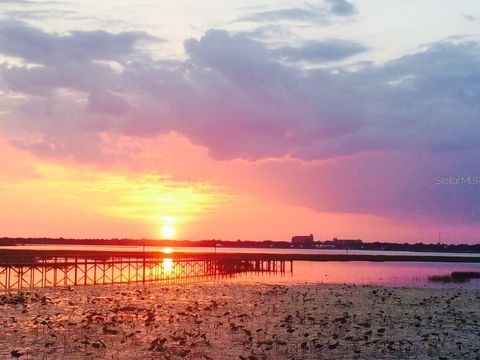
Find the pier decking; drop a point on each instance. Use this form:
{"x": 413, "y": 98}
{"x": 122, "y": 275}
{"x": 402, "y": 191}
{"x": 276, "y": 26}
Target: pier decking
{"x": 27, "y": 271}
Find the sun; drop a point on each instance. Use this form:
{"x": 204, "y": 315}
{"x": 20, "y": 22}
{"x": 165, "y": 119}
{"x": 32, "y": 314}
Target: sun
{"x": 168, "y": 231}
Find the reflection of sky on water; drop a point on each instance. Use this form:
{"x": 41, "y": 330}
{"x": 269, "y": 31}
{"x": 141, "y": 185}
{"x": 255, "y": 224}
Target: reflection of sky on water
{"x": 410, "y": 274}
{"x": 227, "y": 250}
{"x": 364, "y": 273}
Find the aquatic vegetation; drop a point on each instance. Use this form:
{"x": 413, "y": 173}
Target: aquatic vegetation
{"x": 456, "y": 277}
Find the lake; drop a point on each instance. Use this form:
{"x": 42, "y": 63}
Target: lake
{"x": 228, "y": 250}
{"x": 408, "y": 274}
{"x": 390, "y": 273}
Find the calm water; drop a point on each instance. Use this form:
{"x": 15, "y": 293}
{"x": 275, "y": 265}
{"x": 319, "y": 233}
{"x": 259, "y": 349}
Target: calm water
{"x": 410, "y": 274}
{"x": 228, "y": 250}
{"x": 332, "y": 272}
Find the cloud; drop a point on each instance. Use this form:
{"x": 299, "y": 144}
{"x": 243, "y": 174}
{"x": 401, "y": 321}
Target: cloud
{"x": 320, "y": 51}
{"x": 308, "y": 14}
{"x": 36, "y": 46}
{"x": 33, "y": 2}
{"x": 403, "y": 184}
{"x": 107, "y": 103}
{"x": 260, "y": 107}
{"x": 290, "y": 14}
{"x": 371, "y": 140}
{"x": 39, "y": 14}
{"x": 265, "y": 32}
{"x": 342, "y": 7}
{"x": 15, "y": 2}
{"x": 469, "y": 17}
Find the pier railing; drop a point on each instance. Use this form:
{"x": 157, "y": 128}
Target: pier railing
{"x": 40, "y": 272}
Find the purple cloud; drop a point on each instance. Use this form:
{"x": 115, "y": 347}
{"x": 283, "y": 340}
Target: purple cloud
{"x": 39, "y": 47}
{"x": 107, "y": 103}
{"x": 391, "y": 128}
{"x": 234, "y": 83}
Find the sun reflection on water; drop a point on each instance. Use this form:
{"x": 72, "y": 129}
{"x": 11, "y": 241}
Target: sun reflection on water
{"x": 167, "y": 265}
{"x": 167, "y": 250}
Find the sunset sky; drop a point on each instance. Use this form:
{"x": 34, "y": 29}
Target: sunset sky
{"x": 240, "y": 119}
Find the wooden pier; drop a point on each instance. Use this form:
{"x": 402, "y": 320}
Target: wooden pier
{"x": 29, "y": 272}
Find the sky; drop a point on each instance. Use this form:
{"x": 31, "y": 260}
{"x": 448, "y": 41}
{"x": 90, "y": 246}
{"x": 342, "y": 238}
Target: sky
{"x": 253, "y": 120}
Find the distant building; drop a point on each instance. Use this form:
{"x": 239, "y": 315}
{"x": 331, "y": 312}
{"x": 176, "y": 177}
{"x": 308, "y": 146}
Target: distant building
{"x": 347, "y": 243}
{"x": 303, "y": 240}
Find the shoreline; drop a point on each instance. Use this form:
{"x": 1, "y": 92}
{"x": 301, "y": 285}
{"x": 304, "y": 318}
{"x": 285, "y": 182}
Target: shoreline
{"x": 241, "y": 321}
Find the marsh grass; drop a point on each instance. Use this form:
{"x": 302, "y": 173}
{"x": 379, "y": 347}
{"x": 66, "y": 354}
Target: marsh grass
{"x": 456, "y": 277}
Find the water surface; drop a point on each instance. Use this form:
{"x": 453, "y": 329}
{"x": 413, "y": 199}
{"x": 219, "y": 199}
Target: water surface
{"x": 391, "y": 273}
{"x": 408, "y": 274}
{"x": 231, "y": 250}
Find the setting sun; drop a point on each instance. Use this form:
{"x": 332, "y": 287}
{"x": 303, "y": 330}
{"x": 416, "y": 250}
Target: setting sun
{"x": 168, "y": 231}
